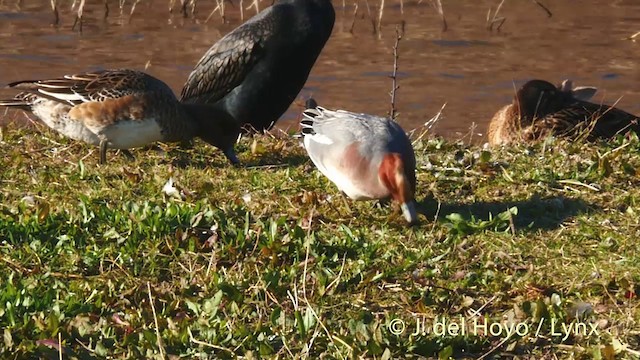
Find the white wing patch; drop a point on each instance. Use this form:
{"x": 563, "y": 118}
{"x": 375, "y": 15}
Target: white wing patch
{"x": 70, "y": 97}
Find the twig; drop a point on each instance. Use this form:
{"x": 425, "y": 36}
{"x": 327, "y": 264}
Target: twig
{"x": 344, "y": 14}
{"x": 394, "y": 75}
{"x": 437, "y": 4}
{"x": 220, "y": 8}
{"x": 155, "y": 320}
{"x": 60, "y": 345}
{"x": 495, "y": 18}
{"x": 337, "y": 279}
{"x": 56, "y": 16}
{"x": 199, "y": 342}
{"x": 78, "y": 20}
{"x": 380, "y": 17}
{"x": 183, "y": 8}
{"x": 106, "y": 9}
{"x": 256, "y": 5}
{"x": 193, "y": 7}
{"x": 355, "y": 13}
{"x": 133, "y": 8}
{"x": 549, "y": 14}
{"x": 373, "y": 20}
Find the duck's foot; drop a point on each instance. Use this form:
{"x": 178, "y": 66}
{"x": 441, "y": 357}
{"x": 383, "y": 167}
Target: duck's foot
{"x": 128, "y": 155}
{"x": 381, "y": 203}
{"x": 231, "y": 155}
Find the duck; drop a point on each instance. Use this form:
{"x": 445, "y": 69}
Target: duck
{"x": 121, "y": 109}
{"x": 540, "y": 109}
{"x": 366, "y": 156}
{"x": 257, "y": 70}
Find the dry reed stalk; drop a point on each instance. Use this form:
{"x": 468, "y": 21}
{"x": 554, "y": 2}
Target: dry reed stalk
{"x": 194, "y": 4}
{"x": 355, "y": 13}
{"x": 380, "y": 17}
{"x": 56, "y": 16}
{"x": 495, "y": 19}
{"x": 256, "y": 5}
{"x": 106, "y": 9}
{"x": 78, "y": 20}
{"x": 219, "y": 8}
{"x": 171, "y": 4}
{"x": 133, "y": 8}
{"x": 394, "y": 75}
{"x": 437, "y": 4}
{"x": 184, "y": 4}
{"x": 121, "y": 6}
{"x": 241, "y": 11}
{"x": 430, "y": 123}
{"x": 373, "y": 20}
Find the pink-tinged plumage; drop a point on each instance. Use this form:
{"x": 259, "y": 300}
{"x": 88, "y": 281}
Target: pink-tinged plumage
{"x": 367, "y": 157}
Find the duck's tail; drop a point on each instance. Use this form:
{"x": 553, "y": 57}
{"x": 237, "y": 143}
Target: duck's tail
{"x": 23, "y": 101}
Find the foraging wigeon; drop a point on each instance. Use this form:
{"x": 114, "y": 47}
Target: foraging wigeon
{"x": 121, "y": 109}
{"x": 540, "y": 109}
{"x": 256, "y": 71}
{"x": 367, "y": 157}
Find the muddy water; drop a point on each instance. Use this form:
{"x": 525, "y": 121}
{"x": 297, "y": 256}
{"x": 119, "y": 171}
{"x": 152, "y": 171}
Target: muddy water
{"x": 469, "y": 68}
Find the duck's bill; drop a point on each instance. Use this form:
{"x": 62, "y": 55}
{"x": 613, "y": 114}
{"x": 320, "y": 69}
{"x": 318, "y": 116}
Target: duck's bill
{"x": 409, "y": 212}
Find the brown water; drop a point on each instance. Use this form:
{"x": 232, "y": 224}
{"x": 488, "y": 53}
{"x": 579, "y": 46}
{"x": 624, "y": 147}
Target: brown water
{"x": 467, "y": 67}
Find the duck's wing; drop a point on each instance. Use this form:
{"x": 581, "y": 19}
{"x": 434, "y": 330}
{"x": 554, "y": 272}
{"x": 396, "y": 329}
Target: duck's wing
{"x": 85, "y": 87}
{"x": 594, "y": 120}
{"x": 225, "y": 65}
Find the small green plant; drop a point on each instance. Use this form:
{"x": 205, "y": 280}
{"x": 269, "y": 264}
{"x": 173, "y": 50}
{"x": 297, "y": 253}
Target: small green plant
{"x": 270, "y": 261}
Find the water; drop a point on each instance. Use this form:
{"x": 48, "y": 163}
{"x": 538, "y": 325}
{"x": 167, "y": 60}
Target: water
{"x": 468, "y": 67}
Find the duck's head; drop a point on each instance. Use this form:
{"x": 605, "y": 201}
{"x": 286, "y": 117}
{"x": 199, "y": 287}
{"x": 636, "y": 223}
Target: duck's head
{"x": 216, "y": 127}
{"x": 538, "y": 98}
{"x": 400, "y": 181}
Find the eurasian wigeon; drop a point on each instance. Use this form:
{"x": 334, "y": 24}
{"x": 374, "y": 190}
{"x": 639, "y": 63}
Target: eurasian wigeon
{"x": 367, "y": 157}
{"x": 121, "y": 109}
{"x": 540, "y": 109}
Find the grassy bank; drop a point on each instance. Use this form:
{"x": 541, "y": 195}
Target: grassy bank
{"x": 271, "y": 261}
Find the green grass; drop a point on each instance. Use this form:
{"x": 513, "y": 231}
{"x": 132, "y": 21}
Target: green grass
{"x": 270, "y": 261}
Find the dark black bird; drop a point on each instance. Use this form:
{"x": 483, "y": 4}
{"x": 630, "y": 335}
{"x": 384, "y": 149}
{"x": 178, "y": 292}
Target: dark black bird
{"x": 256, "y": 71}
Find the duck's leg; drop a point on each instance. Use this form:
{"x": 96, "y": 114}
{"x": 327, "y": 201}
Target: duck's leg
{"x": 231, "y": 155}
{"x": 103, "y": 151}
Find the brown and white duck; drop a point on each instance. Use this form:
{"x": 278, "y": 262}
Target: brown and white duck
{"x": 121, "y": 109}
{"x": 540, "y": 109}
